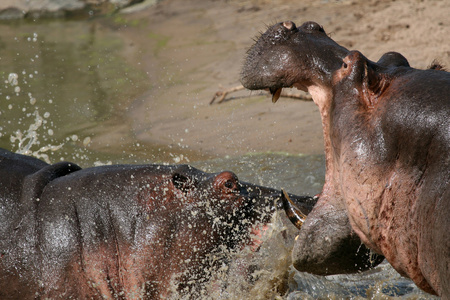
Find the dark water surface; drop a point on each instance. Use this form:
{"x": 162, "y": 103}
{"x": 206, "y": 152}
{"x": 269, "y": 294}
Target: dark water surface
{"x": 64, "y": 82}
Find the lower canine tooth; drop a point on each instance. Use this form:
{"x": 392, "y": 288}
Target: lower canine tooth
{"x": 276, "y": 95}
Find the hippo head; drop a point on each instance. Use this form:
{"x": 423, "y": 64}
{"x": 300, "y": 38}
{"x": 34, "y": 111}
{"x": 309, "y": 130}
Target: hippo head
{"x": 229, "y": 208}
{"x": 287, "y": 56}
{"x": 208, "y": 216}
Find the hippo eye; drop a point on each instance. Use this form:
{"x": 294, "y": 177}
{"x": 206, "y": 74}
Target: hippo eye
{"x": 229, "y": 184}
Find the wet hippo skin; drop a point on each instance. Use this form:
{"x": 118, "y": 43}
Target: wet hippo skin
{"x": 386, "y": 130}
{"x": 122, "y": 231}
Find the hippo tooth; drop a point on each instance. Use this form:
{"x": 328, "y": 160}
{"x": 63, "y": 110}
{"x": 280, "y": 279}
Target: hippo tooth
{"x": 276, "y": 95}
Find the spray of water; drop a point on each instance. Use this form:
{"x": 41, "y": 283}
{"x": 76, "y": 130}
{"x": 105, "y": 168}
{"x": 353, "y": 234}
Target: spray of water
{"x": 247, "y": 272}
{"x": 27, "y": 140}
{"x": 24, "y": 141}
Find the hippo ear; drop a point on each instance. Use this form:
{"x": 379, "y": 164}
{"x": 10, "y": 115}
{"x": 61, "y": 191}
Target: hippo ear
{"x": 393, "y": 59}
{"x": 36, "y": 182}
{"x": 359, "y": 71}
{"x": 375, "y": 84}
{"x": 182, "y": 182}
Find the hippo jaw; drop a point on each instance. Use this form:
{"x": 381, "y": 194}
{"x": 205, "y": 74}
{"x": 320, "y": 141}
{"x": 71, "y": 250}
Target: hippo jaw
{"x": 287, "y": 56}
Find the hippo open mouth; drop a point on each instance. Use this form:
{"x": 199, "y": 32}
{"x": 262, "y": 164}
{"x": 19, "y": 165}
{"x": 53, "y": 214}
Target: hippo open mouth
{"x": 293, "y": 212}
{"x": 282, "y": 58}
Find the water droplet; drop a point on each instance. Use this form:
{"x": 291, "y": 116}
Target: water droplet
{"x": 13, "y": 79}
{"x": 86, "y": 141}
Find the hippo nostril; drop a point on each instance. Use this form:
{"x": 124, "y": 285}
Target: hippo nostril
{"x": 344, "y": 65}
{"x": 289, "y": 25}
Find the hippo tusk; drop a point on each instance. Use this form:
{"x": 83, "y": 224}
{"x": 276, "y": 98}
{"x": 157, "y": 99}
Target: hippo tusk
{"x": 276, "y": 93}
{"x": 293, "y": 213}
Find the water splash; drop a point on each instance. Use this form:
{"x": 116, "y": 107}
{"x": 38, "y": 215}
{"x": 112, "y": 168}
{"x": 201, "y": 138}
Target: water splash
{"x": 28, "y": 131}
{"x": 25, "y": 140}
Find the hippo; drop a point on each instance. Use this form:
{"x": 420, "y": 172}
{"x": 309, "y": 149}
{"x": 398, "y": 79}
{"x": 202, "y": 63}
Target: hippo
{"x": 386, "y": 129}
{"x": 121, "y": 231}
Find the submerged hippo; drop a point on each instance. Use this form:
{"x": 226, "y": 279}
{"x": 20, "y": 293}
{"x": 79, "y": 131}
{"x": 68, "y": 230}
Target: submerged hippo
{"x": 122, "y": 231}
{"x": 386, "y": 130}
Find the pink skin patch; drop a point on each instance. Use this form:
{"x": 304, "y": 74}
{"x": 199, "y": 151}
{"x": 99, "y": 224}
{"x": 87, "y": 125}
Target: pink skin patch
{"x": 257, "y": 233}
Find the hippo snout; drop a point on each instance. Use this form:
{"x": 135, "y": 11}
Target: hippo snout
{"x": 287, "y": 55}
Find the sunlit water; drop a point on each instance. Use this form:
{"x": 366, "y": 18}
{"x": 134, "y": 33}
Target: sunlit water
{"x": 57, "y": 87}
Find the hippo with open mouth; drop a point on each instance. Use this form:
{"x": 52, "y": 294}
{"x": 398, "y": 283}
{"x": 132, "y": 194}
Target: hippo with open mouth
{"x": 121, "y": 231}
{"x": 386, "y": 129}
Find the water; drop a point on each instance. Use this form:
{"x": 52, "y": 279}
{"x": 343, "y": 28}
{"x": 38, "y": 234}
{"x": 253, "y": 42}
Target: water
{"x": 69, "y": 82}
{"x": 62, "y": 84}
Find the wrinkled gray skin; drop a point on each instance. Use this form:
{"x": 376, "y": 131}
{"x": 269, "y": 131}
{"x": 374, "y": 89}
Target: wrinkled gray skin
{"x": 387, "y": 142}
{"x": 120, "y": 231}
